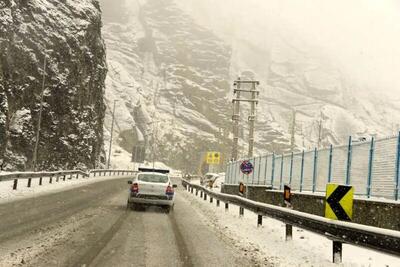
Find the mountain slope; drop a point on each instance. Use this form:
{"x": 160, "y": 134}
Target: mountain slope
{"x": 69, "y": 32}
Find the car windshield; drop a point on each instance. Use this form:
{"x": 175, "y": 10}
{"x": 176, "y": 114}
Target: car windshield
{"x": 152, "y": 178}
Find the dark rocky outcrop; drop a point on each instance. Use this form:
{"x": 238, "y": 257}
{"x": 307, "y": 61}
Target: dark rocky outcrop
{"x": 73, "y": 107}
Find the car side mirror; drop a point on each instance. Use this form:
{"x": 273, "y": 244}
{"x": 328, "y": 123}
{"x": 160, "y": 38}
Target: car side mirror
{"x": 129, "y": 182}
{"x": 174, "y": 186}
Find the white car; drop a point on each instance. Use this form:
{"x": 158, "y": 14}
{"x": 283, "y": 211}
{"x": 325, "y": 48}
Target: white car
{"x": 151, "y": 187}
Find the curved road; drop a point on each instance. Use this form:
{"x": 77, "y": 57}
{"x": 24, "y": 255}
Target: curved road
{"x": 90, "y": 226}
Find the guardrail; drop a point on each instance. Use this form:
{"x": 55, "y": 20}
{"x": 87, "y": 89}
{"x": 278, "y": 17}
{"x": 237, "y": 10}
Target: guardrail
{"x": 104, "y": 172}
{"x": 339, "y": 232}
{"x": 57, "y": 175}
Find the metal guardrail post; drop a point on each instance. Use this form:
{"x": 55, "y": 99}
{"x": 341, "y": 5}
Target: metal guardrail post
{"x": 302, "y": 171}
{"x": 241, "y": 211}
{"x": 211, "y": 199}
{"x": 291, "y": 168}
{"x": 259, "y": 220}
{"x": 217, "y": 202}
{"x": 40, "y": 180}
{"x": 51, "y": 179}
{"x": 205, "y": 196}
{"x": 273, "y": 169}
{"x": 337, "y": 252}
{"x": 349, "y": 155}
{"x": 370, "y": 166}
{"x": 15, "y": 184}
{"x": 64, "y": 176}
{"x": 330, "y": 164}
{"x": 201, "y": 193}
{"x": 288, "y": 232}
{"x": 397, "y": 174}
{"x": 315, "y": 170}
{"x": 197, "y": 192}
{"x": 226, "y": 206}
{"x": 29, "y": 182}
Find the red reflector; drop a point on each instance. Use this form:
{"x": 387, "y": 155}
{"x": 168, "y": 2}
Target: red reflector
{"x": 135, "y": 188}
{"x": 170, "y": 190}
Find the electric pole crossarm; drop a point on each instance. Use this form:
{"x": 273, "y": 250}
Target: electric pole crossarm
{"x": 243, "y": 81}
{"x": 244, "y": 100}
{"x": 243, "y": 90}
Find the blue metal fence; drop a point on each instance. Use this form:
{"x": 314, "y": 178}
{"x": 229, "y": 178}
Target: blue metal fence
{"x": 372, "y": 167}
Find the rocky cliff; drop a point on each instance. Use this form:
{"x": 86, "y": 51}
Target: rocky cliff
{"x": 67, "y": 35}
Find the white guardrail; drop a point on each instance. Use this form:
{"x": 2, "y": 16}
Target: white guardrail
{"x": 60, "y": 175}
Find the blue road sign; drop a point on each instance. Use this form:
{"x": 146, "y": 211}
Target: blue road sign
{"x": 246, "y": 167}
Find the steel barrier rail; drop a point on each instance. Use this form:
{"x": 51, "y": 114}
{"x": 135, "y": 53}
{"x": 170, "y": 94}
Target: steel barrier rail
{"x": 15, "y": 176}
{"x": 339, "y": 232}
{"x": 111, "y": 171}
{"x": 27, "y": 175}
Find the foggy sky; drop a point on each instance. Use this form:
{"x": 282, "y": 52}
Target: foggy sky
{"x": 362, "y": 37}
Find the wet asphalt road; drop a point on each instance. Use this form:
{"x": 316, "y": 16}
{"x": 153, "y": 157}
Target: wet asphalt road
{"x": 90, "y": 226}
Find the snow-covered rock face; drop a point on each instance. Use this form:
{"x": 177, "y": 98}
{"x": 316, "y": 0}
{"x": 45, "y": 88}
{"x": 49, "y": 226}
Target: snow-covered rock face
{"x": 69, "y": 32}
{"x": 170, "y": 77}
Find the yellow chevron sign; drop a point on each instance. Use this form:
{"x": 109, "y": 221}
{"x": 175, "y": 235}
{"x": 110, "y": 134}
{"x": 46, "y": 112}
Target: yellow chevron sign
{"x": 339, "y": 202}
{"x": 213, "y": 157}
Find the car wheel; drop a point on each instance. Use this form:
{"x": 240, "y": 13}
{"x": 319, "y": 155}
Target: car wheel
{"x": 167, "y": 209}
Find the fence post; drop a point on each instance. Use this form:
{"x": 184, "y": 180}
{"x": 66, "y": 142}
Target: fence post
{"x": 315, "y": 170}
{"x": 291, "y": 169}
{"x": 252, "y": 173}
{"x": 259, "y": 170}
{"x": 266, "y": 168}
{"x": 348, "y": 169}
{"x": 29, "y": 182}
{"x": 397, "y": 176}
{"x": 273, "y": 168}
{"x": 302, "y": 171}
{"x": 330, "y": 164}
{"x": 371, "y": 159}
{"x": 281, "y": 174}
{"x": 40, "y": 180}
{"x": 51, "y": 179}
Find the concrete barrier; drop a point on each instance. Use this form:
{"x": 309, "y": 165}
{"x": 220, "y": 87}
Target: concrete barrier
{"x": 378, "y": 213}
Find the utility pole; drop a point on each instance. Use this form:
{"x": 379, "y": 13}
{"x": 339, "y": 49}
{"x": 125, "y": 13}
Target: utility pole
{"x": 34, "y": 160}
{"x": 236, "y": 113}
{"x": 235, "y": 118}
{"x": 111, "y": 137}
{"x": 252, "y": 118}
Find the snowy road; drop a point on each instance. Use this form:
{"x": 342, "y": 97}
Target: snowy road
{"x": 90, "y": 226}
